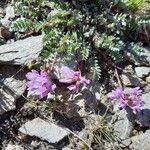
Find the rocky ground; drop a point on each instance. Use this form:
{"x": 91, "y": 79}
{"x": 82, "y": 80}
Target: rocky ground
{"x": 26, "y": 124}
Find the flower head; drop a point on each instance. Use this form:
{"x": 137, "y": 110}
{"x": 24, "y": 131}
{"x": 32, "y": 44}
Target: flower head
{"x": 39, "y": 84}
{"x": 74, "y": 78}
{"x": 131, "y": 99}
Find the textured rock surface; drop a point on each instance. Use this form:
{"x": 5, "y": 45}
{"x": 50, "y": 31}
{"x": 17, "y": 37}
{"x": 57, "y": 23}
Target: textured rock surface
{"x": 148, "y": 79}
{"x": 21, "y": 52}
{"x": 144, "y": 117}
{"x": 123, "y": 127}
{"x": 142, "y": 71}
{"x": 10, "y": 91}
{"x": 139, "y": 142}
{"x": 130, "y": 80}
{"x": 11, "y": 88}
{"x": 44, "y": 130}
{"x": 10, "y": 12}
{"x": 146, "y": 99}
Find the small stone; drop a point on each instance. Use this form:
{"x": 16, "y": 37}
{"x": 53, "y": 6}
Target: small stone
{"x": 125, "y": 143}
{"x": 129, "y": 69}
{"x": 21, "y": 52}
{"x": 44, "y": 130}
{"x": 147, "y": 88}
{"x": 14, "y": 147}
{"x": 148, "y": 79}
{"x": 5, "y": 33}
{"x": 142, "y": 71}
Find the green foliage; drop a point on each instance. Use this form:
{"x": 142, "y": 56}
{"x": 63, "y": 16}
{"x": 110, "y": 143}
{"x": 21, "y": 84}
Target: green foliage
{"x": 82, "y": 29}
{"x": 23, "y": 25}
{"x": 95, "y": 69}
{"x": 30, "y": 9}
{"x": 134, "y": 5}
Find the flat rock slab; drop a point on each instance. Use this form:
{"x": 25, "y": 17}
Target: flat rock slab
{"x": 44, "y": 130}
{"x": 21, "y": 52}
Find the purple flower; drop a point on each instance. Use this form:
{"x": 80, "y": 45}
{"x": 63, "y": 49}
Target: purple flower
{"x": 39, "y": 84}
{"x": 132, "y": 99}
{"x": 69, "y": 76}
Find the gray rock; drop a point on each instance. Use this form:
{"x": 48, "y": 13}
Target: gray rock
{"x": 21, "y": 52}
{"x": 147, "y": 88}
{"x": 148, "y": 79}
{"x": 1, "y": 12}
{"x": 11, "y": 88}
{"x": 123, "y": 127}
{"x": 16, "y": 85}
{"x": 10, "y": 12}
{"x": 2, "y": 41}
{"x": 146, "y": 99}
{"x": 7, "y": 102}
{"x": 130, "y": 80}
{"x": 142, "y": 71}
{"x": 44, "y": 130}
{"x": 5, "y": 22}
{"x": 140, "y": 142}
{"x": 144, "y": 117}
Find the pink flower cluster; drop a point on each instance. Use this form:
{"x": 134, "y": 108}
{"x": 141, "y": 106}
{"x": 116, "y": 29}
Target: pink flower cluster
{"x": 40, "y": 84}
{"x": 74, "y": 78}
{"x": 132, "y": 99}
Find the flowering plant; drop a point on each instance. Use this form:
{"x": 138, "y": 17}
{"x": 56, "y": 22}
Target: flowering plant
{"x": 39, "y": 84}
{"x": 132, "y": 99}
{"x": 74, "y": 78}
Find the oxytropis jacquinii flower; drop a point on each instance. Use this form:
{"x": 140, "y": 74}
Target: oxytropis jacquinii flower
{"x": 132, "y": 99}
{"x": 74, "y": 78}
{"x": 39, "y": 84}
